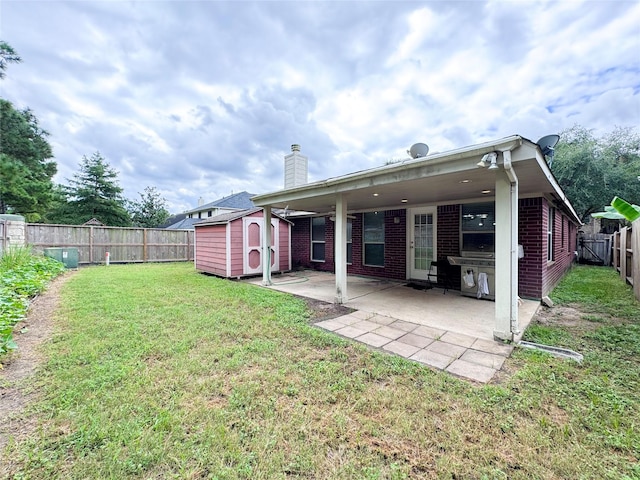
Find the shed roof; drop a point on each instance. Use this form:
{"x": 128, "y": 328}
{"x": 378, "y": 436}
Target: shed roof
{"x": 225, "y": 218}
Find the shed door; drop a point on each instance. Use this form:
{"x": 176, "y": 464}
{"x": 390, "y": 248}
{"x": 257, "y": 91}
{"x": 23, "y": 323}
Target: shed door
{"x": 252, "y": 244}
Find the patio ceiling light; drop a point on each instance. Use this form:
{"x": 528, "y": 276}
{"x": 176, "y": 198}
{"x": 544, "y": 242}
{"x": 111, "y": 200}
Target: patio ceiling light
{"x": 484, "y": 192}
{"x": 404, "y": 200}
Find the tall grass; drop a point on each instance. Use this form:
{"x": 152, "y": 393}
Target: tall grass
{"x": 156, "y": 371}
{"x": 15, "y": 257}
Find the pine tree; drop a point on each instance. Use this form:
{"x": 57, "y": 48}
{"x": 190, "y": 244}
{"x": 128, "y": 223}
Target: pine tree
{"x": 25, "y": 168}
{"x": 93, "y": 193}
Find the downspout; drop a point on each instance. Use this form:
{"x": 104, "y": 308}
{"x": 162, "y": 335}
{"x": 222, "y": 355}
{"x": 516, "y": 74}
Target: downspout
{"x": 513, "y": 180}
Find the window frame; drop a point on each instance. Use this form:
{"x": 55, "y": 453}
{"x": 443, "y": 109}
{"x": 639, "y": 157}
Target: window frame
{"x": 365, "y": 242}
{"x": 551, "y": 223}
{"x": 318, "y": 242}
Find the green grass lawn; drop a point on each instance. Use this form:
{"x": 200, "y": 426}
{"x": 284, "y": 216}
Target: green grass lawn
{"x": 156, "y": 371}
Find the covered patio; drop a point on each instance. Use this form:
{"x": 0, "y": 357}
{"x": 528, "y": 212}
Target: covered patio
{"x": 445, "y": 331}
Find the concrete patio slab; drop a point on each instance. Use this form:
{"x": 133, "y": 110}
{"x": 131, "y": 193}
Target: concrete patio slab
{"x": 373, "y": 339}
{"x": 490, "y": 346}
{"x": 445, "y": 348}
{"x": 471, "y": 371}
{"x": 458, "y": 339}
{"x": 399, "y": 348}
{"x": 490, "y": 360}
{"x": 433, "y": 359}
{"x": 390, "y": 332}
{"x": 445, "y": 331}
{"x": 416, "y": 340}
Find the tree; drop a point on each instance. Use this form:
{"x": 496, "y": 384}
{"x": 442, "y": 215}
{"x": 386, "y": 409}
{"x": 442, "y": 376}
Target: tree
{"x": 7, "y": 55}
{"x": 25, "y": 169}
{"x": 92, "y": 193}
{"x": 150, "y": 211}
{"x": 592, "y": 171}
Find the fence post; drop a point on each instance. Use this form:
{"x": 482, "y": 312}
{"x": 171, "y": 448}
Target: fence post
{"x": 144, "y": 244}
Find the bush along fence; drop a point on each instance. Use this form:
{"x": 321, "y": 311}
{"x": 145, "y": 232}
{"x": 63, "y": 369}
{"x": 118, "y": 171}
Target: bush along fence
{"x": 124, "y": 245}
{"x": 626, "y": 255}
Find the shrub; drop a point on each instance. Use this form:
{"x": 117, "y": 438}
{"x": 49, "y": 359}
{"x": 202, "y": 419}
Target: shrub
{"x": 22, "y": 276}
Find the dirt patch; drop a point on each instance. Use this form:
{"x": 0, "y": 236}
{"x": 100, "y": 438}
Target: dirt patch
{"x": 29, "y": 334}
{"x": 573, "y": 319}
{"x": 325, "y": 310}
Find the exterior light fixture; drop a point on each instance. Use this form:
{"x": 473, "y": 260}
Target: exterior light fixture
{"x": 484, "y": 192}
{"x": 404, "y": 200}
{"x": 488, "y": 160}
{"x": 376, "y": 194}
{"x": 466, "y": 180}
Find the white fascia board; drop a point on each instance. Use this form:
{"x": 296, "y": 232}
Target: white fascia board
{"x": 544, "y": 167}
{"x": 436, "y": 164}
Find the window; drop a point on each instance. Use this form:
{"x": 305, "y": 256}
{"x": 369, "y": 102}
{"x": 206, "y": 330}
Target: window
{"x": 477, "y": 225}
{"x": 550, "y": 223}
{"x": 317, "y": 239}
{"x": 373, "y": 238}
{"x": 199, "y": 214}
{"x": 349, "y": 242}
{"x": 209, "y": 213}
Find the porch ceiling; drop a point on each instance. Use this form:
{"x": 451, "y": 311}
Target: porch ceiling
{"x": 453, "y": 177}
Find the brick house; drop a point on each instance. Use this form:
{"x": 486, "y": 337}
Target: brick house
{"x": 492, "y": 211}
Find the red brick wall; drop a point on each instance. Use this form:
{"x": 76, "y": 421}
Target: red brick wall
{"x": 395, "y": 265}
{"x": 301, "y": 243}
{"x": 448, "y": 241}
{"x": 552, "y": 272}
{"x": 537, "y": 276}
{"x": 532, "y": 236}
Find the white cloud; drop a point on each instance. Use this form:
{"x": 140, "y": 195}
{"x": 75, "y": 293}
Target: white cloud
{"x": 205, "y": 98}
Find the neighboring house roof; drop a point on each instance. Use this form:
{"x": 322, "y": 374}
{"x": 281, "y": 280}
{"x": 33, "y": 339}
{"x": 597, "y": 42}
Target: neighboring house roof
{"x": 173, "y": 219}
{"x": 231, "y": 216}
{"x": 94, "y": 221}
{"x": 184, "y": 224}
{"x": 237, "y": 201}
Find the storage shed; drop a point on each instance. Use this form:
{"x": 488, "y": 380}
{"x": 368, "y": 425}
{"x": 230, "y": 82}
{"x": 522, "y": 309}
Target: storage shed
{"x": 230, "y": 245}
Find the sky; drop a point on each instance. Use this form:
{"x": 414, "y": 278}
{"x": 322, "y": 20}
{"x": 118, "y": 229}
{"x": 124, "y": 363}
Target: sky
{"x": 204, "y": 98}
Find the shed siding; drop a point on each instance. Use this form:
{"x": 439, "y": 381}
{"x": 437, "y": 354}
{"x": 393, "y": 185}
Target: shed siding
{"x": 237, "y": 248}
{"x": 211, "y": 249}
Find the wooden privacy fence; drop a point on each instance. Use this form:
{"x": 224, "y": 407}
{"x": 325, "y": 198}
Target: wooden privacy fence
{"x": 594, "y": 248}
{"x": 626, "y": 255}
{"x": 125, "y": 245}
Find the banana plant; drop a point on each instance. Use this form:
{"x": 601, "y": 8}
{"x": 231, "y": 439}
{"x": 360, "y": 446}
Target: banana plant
{"x": 619, "y": 210}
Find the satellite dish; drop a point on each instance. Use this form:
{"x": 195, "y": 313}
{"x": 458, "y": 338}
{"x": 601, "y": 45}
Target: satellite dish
{"x": 418, "y": 150}
{"x": 546, "y": 144}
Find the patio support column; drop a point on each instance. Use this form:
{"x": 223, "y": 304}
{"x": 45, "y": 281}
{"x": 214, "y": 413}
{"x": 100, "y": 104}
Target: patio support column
{"x": 506, "y": 252}
{"x": 266, "y": 245}
{"x": 340, "y": 254}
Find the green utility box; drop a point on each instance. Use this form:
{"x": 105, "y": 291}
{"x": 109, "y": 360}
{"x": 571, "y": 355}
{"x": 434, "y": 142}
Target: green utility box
{"x": 66, "y": 255}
